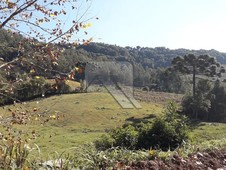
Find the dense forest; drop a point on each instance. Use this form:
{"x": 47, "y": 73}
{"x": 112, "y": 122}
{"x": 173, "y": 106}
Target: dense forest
{"x": 150, "y": 65}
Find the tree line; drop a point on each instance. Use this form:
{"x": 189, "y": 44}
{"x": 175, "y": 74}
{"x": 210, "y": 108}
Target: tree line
{"x": 155, "y": 68}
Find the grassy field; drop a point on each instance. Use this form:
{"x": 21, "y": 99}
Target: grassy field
{"x": 205, "y": 131}
{"x": 82, "y": 118}
{"x": 66, "y": 121}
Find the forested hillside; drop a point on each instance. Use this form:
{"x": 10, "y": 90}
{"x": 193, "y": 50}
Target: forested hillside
{"x": 149, "y": 57}
{"x": 157, "y": 57}
{"x": 149, "y": 63}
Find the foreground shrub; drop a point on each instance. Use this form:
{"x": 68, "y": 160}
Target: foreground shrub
{"x": 163, "y": 135}
{"x": 166, "y": 132}
{"x": 126, "y": 136}
{"x": 105, "y": 141}
{"x": 88, "y": 157}
{"x": 14, "y": 155}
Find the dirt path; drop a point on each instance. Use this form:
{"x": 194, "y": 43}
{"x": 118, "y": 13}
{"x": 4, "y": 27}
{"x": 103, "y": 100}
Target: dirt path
{"x": 206, "y": 160}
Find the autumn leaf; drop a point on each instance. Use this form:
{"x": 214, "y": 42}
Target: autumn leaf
{"x": 53, "y": 116}
{"x": 84, "y": 26}
{"x": 64, "y": 12}
{"x": 26, "y": 168}
{"x": 11, "y": 5}
{"x": 52, "y": 15}
{"x": 87, "y": 25}
{"x": 76, "y": 68}
{"x": 68, "y": 36}
{"x": 75, "y": 43}
{"x": 90, "y": 24}
{"x": 55, "y": 63}
{"x": 77, "y": 27}
{"x": 37, "y": 77}
{"x": 32, "y": 71}
{"x": 41, "y": 20}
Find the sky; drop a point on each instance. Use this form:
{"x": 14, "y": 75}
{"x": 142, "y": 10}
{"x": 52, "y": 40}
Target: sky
{"x": 190, "y": 24}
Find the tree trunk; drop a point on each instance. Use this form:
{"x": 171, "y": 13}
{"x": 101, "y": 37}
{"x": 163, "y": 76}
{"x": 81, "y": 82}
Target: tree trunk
{"x": 194, "y": 92}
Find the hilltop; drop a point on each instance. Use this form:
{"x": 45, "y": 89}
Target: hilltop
{"x": 143, "y": 58}
{"x": 149, "y": 64}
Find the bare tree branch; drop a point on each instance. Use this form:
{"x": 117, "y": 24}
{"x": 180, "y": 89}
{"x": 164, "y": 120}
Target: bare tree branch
{"x": 17, "y": 12}
{"x": 10, "y": 62}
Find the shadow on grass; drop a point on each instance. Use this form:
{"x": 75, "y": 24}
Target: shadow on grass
{"x": 141, "y": 120}
{"x": 194, "y": 124}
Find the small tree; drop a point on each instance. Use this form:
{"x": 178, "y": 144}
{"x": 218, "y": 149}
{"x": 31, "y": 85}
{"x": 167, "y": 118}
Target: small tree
{"x": 201, "y": 102}
{"x": 197, "y": 65}
{"x": 218, "y": 105}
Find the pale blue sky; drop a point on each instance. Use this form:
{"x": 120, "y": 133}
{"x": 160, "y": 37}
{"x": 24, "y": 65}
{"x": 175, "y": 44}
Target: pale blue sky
{"x": 192, "y": 24}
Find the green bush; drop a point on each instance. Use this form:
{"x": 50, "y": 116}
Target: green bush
{"x": 105, "y": 141}
{"x": 163, "y": 135}
{"x": 126, "y": 136}
{"x": 166, "y": 132}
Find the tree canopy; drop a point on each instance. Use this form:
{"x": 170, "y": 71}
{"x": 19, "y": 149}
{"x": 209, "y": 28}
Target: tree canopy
{"x": 197, "y": 65}
{"x": 32, "y": 29}
{"x": 44, "y": 20}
